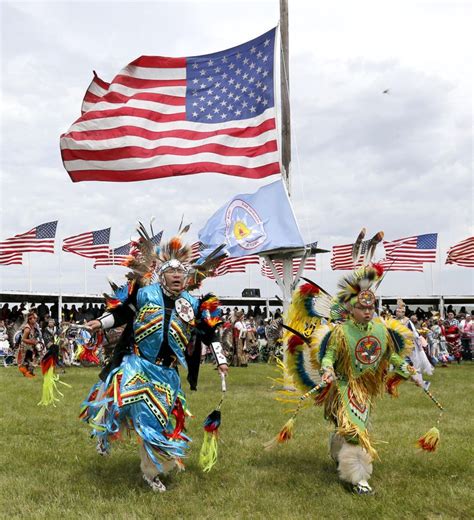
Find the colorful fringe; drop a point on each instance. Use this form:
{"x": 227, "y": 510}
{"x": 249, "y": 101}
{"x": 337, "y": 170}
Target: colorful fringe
{"x": 50, "y": 391}
{"x": 209, "y": 448}
{"x": 284, "y": 435}
{"x": 430, "y": 440}
{"x": 334, "y": 409}
{"x": 208, "y": 453}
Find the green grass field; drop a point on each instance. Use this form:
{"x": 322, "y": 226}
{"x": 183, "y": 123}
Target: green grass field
{"x": 50, "y": 469}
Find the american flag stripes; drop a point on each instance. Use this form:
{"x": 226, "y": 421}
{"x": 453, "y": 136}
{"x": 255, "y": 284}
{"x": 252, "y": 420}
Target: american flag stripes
{"x": 96, "y": 90}
{"x": 419, "y": 248}
{"x": 462, "y": 253}
{"x": 342, "y": 257}
{"x": 40, "y": 239}
{"x": 120, "y": 255}
{"x": 236, "y": 265}
{"x": 228, "y": 265}
{"x": 196, "y": 249}
{"x": 116, "y": 256}
{"x": 11, "y": 258}
{"x": 93, "y": 244}
{"x": 310, "y": 265}
{"x": 161, "y": 117}
{"x": 389, "y": 264}
{"x": 404, "y": 254}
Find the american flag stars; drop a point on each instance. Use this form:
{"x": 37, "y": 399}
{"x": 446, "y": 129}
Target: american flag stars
{"x": 231, "y": 85}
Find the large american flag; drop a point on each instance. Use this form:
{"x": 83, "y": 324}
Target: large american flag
{"x": 40, "y": 239}
{"x": 342, "y": 256}
{"x": 93, "y": 244}
{"x": 419, "y": 248}
{"x": 161, "y": 117}
{"x": 310, "y": 265}
{"x": 11, "y": 258}
{"x": 462, "y": 253}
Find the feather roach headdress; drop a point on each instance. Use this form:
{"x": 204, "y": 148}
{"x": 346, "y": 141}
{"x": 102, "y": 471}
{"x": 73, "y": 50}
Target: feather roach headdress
{"x": 149, "y": 258}
{"x": 357, "y": 287}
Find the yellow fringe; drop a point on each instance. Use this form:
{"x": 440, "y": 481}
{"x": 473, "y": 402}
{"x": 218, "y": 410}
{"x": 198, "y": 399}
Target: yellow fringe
{"x": 334, "y": 409}
{"x": 51, "y": 392}
{"x": 208, "y": 453}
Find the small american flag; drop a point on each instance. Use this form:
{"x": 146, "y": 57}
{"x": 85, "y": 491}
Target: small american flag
{"x": 120, "y": 255}
{"x": 342, "y": 256}
{"x": 462, "y": 254}
{"x": 310, "y": 265}
{"x": 419, "y": 248}
{"x": 196, "y": 249}
{"x": 93, "y": 244}
{"x": 116, "y": 256}
{"x": 228, "y": 265}
{"x": 40, "y": 239}
{"x": 11, "y": 258}
{"x": 161, "y": 117}
{"x": 236, "y": 265}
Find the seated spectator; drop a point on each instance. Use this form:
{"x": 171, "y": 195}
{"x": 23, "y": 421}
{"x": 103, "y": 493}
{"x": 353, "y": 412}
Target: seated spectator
{"x": 466, "y": 328}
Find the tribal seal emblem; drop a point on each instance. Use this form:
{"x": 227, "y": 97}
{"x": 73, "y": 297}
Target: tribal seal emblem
{"x": 243, "y": 226}
{"x": 368, "y": 350}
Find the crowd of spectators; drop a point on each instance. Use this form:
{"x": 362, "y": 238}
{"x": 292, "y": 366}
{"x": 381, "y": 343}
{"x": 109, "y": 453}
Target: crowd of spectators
{"x": 255, "y": 335}
{"x": 26, "y": 332}
{"x": 250, "y": 336}
{"x": 445, "y": 340}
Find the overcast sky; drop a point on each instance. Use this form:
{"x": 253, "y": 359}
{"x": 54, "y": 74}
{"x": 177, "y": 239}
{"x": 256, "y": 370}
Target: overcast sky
{"x": 399, "y": 162}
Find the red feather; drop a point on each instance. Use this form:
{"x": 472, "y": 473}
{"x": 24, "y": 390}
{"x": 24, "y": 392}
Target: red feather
{"x": 294, "y": 342}
{"x": 378, "y": 268}
{"x": 308, "y": 289}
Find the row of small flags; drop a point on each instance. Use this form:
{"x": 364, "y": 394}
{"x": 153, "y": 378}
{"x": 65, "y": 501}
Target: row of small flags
{"x": 404, "y": 254}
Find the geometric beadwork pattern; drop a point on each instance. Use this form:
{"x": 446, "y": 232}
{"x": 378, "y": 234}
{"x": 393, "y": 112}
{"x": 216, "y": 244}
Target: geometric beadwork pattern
{"x": 146, "y": 310}
{"x": 149, "y": 327}
{"x": 150, "y": 393}
{"x": 360, "y": 410}
{"x": 179, "y": 335}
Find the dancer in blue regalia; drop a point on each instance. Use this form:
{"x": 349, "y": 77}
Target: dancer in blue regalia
{"x": 140, "y": 389}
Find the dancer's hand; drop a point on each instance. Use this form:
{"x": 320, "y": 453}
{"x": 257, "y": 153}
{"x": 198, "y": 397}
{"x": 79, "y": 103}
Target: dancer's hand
{"x": 328, "y": 377}
{"x": 93, "y": 325}
{"x": 223, "y": 369}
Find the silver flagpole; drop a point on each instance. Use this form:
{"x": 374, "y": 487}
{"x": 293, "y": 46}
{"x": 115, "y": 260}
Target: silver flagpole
{"x": 29, "y": 273}
{"x": 85, "y": 276}
{"x": 60, "y": 294}
{"x": 285, "y": 95}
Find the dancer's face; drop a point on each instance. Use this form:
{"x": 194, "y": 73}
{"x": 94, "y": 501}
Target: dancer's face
{"x": 362, "y": 314}
{"x": 174, "y": 279}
